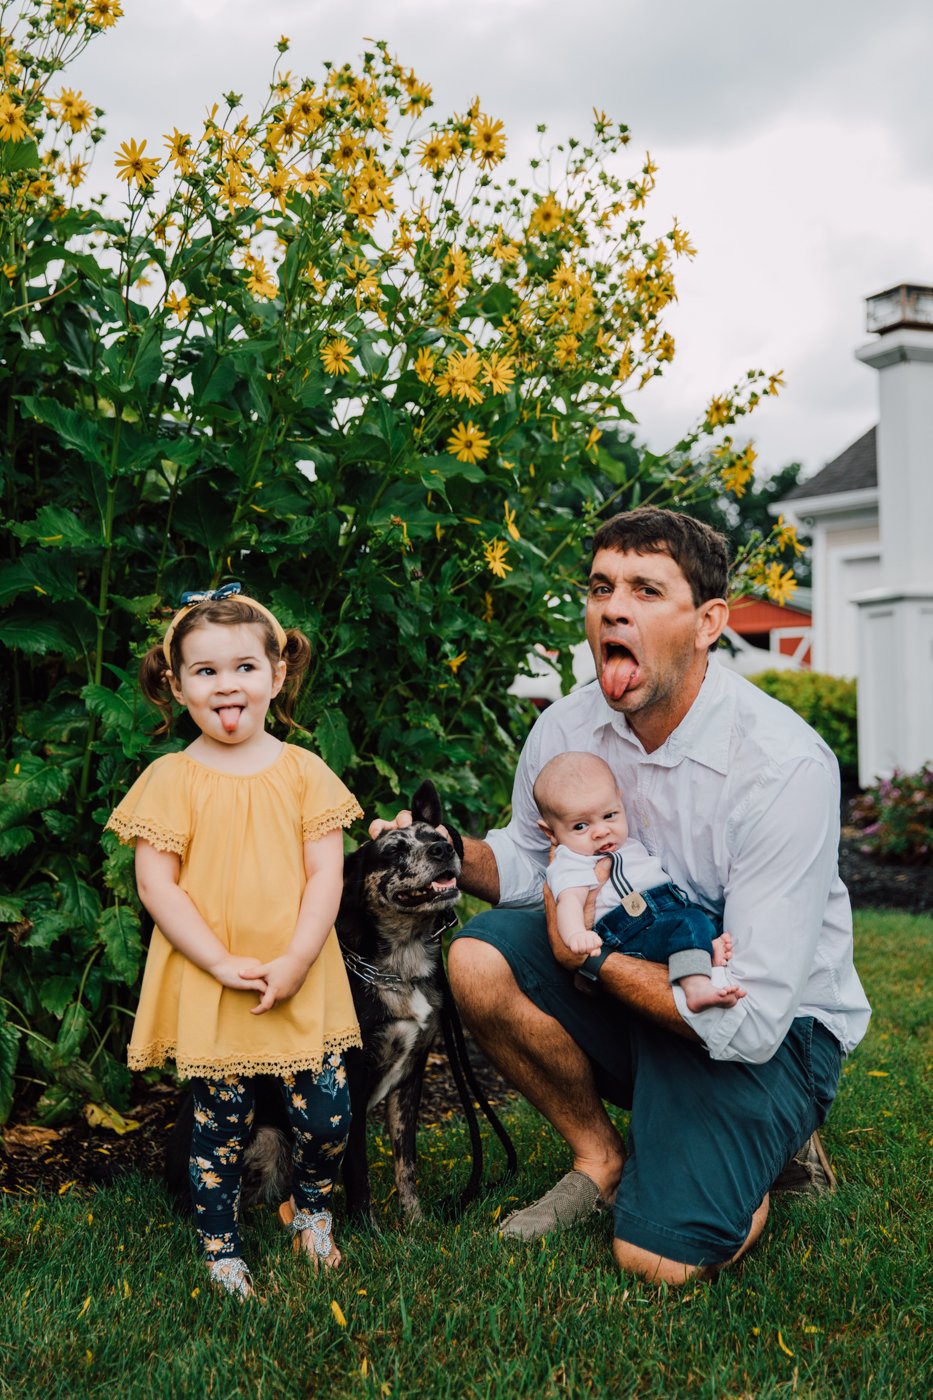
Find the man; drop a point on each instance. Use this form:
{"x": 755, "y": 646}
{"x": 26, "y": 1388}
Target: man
{"x": 739, "y": 799}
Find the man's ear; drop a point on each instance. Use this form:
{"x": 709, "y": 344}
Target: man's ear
{"x": 547, "y": 831}
{"x": 712, "y": 617}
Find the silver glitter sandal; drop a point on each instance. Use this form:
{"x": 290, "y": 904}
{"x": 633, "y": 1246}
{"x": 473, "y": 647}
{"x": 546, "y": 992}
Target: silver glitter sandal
{"x": 319, "y": 1223}
{"x": 232, "y": 1276}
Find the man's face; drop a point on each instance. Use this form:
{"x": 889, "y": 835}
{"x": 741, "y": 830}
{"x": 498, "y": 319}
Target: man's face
{"x": 648, "y": 639}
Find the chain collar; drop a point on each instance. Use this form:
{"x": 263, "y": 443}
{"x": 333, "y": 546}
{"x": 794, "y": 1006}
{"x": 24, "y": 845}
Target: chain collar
{"x": 377, "y": 977}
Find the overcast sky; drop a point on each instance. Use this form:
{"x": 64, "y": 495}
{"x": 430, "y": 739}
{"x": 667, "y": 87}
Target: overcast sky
{"x": 794, "y": 140}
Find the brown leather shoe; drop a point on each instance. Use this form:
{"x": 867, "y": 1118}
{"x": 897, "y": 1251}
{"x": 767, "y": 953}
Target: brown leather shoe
{"x": 808, "y": 1173}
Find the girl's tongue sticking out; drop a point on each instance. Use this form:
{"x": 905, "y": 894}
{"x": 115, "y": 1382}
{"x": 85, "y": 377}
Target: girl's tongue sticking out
{"x": 620, "y": 671}
{"x": 229, "y": 717}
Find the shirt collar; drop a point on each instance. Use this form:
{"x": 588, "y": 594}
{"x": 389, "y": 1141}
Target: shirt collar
{"x": 703, "y": 734}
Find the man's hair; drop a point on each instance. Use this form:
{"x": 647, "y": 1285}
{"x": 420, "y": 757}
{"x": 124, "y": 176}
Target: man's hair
{"x": 701, "y": 552}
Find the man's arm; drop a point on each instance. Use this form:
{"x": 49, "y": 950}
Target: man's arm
{"x": 480, "y": 873}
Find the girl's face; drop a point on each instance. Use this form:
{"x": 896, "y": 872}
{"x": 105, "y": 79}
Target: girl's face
{"x": 227, "y": 682}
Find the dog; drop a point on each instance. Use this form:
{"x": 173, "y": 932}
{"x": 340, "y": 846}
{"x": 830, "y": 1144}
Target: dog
{"x": 398, "y": 899}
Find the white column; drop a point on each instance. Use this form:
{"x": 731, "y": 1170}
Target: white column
{"x": 896, "y": 620}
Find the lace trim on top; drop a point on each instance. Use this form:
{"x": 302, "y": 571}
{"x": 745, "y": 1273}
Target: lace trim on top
{"x": 157, "y": 1052}
{"x": 313, "y": 828}
{"x": 131, "y": 829}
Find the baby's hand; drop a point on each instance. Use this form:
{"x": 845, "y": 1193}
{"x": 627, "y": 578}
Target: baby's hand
{"x": 722, "y": 949}
{"x": 242, "y": 974}
{"x": 583, "y": 940}
{"x": 281, "y": 978}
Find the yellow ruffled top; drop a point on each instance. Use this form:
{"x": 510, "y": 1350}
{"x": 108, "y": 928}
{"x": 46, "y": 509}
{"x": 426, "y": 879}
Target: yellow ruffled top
{"x": 240, "y": 840}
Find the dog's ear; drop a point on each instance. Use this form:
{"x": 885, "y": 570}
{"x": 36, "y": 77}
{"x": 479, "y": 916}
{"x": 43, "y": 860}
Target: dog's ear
{"x": 426, "y": 805}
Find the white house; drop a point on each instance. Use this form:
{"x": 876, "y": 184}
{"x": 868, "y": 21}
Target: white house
{"x": 870, "y": 512}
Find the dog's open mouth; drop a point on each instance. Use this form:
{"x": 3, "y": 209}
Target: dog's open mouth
{"x": 439, "y": 890}
{"x": 620, "y": 670}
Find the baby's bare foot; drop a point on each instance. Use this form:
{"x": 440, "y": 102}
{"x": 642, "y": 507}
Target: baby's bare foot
{"x": 701, "y": 994}
{"x": 722, "y": 949}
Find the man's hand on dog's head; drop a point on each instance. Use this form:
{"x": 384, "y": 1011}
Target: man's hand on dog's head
{"x": 378, "y": 827}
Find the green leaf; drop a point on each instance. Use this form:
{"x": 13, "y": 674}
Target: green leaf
{"x": 112, "y": 708}
{"x": 57, "y": 527}
{"x": 332, "y": 737}
{"x": 15, "y": 839}
{"x": 47, "y": 927}
{"x": 19, "y": 155}
{"x": 9, "y": 1053}
{"x": 11, "y": 909}
{"x": 212, "y": 378}
{"x": 35, "y": 632}
{"x": 79, "y": 901}
{"x": 56, "y": 993}
{"x": 78, "y": 431}
{"x": 74, "y": 1028}
{"x": 118, "y": 930}
{"x": 387, "y": 771}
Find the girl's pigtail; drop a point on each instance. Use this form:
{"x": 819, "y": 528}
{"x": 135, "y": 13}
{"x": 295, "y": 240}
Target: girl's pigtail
{"x": 297, "y": 658}
{"x": 153, "y": 682}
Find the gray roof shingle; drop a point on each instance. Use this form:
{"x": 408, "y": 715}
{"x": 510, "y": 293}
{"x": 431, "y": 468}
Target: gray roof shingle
{"x": 856, "y": 469}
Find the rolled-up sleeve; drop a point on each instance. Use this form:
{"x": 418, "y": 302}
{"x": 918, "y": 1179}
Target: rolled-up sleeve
{"x": 785, "y": 850}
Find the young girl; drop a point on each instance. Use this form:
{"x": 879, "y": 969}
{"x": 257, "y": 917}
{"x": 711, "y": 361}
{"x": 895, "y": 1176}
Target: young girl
{"x": 239, "y": 860}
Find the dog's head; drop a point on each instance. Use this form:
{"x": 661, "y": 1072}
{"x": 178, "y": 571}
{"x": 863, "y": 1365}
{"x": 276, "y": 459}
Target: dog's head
{"x": 405, "y": 879}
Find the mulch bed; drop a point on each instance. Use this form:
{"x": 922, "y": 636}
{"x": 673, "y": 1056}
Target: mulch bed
{"x": 76, "y": 1156}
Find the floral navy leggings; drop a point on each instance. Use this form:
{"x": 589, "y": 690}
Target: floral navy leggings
{"x": 318, "y": 1107}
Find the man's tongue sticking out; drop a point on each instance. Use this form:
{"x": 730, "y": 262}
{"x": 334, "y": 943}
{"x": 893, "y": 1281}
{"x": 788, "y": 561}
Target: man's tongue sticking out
{"x": 229, "y": 717}
{"x": 620, "y": 670}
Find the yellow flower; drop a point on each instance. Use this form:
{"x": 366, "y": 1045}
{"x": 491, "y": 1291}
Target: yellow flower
{"x": 277, "y": 185}
{"x": 775, "y": 382}
{"x": 592, "y": 440}
{"x": 455, "y": 662}
{"x": 460, "y": 375}
{"x": 348, "y": 152}
{"x": 499, "y": 373}
{"x": 680, "y": 242}
{"x": 503, "y": 250}
{"x": 548, "y": 216}
{"x": 315, "y": 281}
{"x": 306, "y": 111}
{"x": 131, "y": 164}
{"x": 565, "y": 349}
{"x": 424, "y": 365}
{"x": 468, "y": 444}
{"x": 335, "y": 356}
{"x": 103, "y": 14}
{"x": 419, "y": 94}
{"x": 510, "y": 523}
{"x": 232, "y": 189}
{"x": 337, "y": 1310}
{"x": 494, "y": 552}
{"x": 488, "y": 610}
{"x": 260, "y": 281}
{"x": 179, "y": 306}
{"x": 179, "y": 151}
{"x": 311, "y": 182}
{"x": 457, "y": 271}
{"x": 737, "y": 473}
{"x": 488, "y": 141}
{"x": 780, "y": 583}
{"x": 285, "y": 132}
{"x": 785, "y": 536}
{"x": 718, "y": 412}
{"x": 75, "y": 172}
{"x": 564, "y": 281}
{"x": 13, "y": 126}
{"x": 72, "y": 109}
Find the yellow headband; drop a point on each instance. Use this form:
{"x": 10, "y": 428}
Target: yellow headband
{"x": 221, "y": 595}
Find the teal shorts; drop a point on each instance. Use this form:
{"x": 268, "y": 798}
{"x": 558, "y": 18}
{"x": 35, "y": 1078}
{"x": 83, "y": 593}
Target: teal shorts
{"x": 706, "y": 1137}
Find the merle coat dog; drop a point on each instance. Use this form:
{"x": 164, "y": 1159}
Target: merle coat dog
{"x": 398, "y": 899}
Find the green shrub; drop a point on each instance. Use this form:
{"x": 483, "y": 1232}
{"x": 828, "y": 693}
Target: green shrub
{"x": 322, "y": 351}
{"x": 828, "y": 703}
{"x": 896, "y": 818}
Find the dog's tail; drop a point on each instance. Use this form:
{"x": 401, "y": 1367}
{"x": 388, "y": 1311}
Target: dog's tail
{"x": 468, "y": 1089}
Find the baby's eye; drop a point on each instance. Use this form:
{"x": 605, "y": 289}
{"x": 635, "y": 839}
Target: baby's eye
{"x": 579, "y": 826}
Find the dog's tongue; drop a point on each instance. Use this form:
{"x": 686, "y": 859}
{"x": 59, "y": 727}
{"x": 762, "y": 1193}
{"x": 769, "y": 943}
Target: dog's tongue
{"x": 229, "y": 717}
{"x": 620, "y": 670}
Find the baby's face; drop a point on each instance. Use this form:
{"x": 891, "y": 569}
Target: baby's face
{"x": 592, "y": 821}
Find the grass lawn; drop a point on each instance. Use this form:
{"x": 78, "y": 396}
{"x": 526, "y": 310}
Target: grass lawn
{"x": 102, "y": 1294}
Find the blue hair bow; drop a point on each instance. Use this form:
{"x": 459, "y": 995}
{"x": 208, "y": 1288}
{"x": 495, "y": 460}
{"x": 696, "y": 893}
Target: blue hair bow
{"x": 206, "y": 596}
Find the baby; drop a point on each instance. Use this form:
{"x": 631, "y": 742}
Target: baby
{"x": 638, "y": 910}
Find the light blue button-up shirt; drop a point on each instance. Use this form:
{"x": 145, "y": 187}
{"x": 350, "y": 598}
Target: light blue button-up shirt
{"x": 741, "y": 806}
